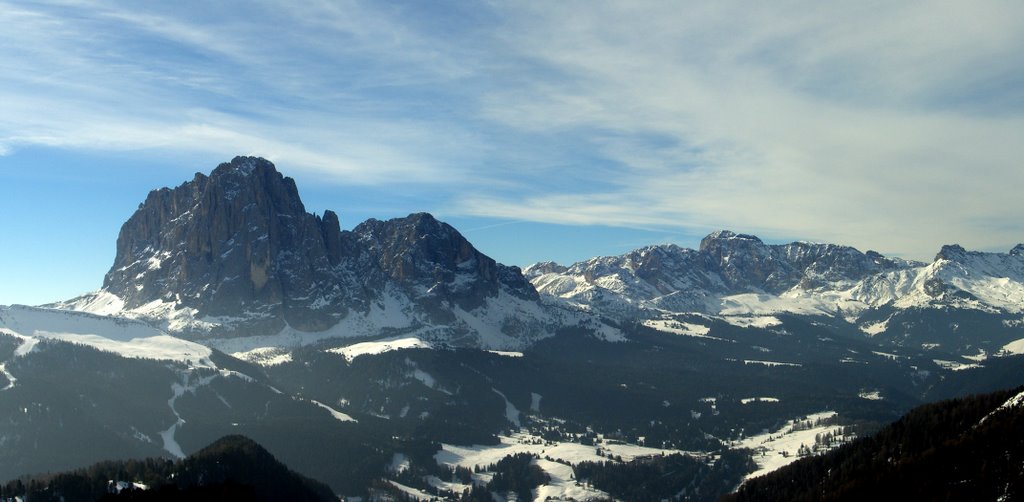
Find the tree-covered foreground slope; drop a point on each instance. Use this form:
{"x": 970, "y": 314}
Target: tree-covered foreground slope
{"x": 231, "y": 468}
{"x": 962, "y": 449}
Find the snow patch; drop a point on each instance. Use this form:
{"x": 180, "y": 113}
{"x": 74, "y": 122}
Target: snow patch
{"x": 748, "y": 400}
{"x": 341, "y": 417}
{"x": 265, "y": 356}
{"x": 506, "y": 353}
{"x": 752, "y": 321}
{"x": 678, "y": 327}
{"x": 1013, "y": 348}
{"x": 955, "y": 365}
{"x": 379, "y": 347}
{"x": 870, "y": 395}
{"x": 875, "y": 328}
{"x": 770, "y": 363}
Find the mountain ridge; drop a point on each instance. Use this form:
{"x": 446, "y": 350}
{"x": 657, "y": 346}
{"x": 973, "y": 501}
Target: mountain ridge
{"x": 796, "y": 277}
{"x": 236, "y": 254}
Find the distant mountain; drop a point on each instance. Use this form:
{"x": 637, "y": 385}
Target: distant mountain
{"x": 964, "y": 449}
{"x": 235, "y": 253}
{"x": 231, "y": 468}
{"x": 737, "y": 274}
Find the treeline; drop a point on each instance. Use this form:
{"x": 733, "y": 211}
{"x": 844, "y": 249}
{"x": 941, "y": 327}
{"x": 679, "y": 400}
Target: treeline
{"x": 951, "y": 450}
{"x": 233, "y": 468}
{"x": 672, "y": 477}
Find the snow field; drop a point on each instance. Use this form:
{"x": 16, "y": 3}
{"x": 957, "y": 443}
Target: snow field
{"x": 774, "y": 450}
{"x": 126, "y": 338}
{"x": 562, "y": 485}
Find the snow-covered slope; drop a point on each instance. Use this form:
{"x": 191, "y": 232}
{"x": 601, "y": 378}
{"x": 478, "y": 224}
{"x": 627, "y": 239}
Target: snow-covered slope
{"x": 121, "y": 336}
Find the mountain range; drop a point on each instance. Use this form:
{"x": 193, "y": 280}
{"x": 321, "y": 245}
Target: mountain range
{"x": 396, "y": 356}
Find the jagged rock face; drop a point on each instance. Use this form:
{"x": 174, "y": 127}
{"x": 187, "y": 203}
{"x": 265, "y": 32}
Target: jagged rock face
{"x": 237, "y": 242}
{"x": 745, "y": 263}
{"x": 436, "y": 265}
{"x": 238, "y": 246}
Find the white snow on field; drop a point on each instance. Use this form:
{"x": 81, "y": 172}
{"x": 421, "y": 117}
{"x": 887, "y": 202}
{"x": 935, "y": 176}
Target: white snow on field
{"x": 979, "y": 357}
{"x": 452, "y": 486}
{"x": 870, "y": 395}
{"x": 679, "y": 328}
{"x": 752, "y": 321}
{"x": 573, "y": 453}
{"x": 875, "y": 328}
{"x": 334, "y": 413}
{"x": 770, "y": 363}
{"x": 126, "y": 338}
{"x": 748, "y": 400}
{"x": 379, "y": 347}
{"x": 1013, "y": 348}
{"x": 414, "y": 493}
{"x": 955, "y": 365}
{"x": 777, "y": 449}
{"x": 561, "y": 487}
{"x": 506, "y": 353}
{"x": 521, "y": 442}
{"x": 265, "y": 356}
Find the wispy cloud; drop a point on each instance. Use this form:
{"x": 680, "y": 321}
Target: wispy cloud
{"x": 857, "y": 124}
{"x": 890, "y": 126}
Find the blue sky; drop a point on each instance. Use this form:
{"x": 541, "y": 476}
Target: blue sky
{"x": 542, "y": 130}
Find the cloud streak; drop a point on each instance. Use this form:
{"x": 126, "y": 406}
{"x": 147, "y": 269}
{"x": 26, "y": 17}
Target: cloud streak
{"x": 893, "y": 127}
{"x": 847, "y": 126}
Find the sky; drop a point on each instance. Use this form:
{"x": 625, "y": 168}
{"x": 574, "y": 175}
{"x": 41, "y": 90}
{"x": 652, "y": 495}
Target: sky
{"x": 541, "y": 130}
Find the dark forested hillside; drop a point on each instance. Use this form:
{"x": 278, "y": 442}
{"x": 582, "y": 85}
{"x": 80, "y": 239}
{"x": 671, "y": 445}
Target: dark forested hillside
{"x": 962, "y": 449}
{"x": 232, "y": 468}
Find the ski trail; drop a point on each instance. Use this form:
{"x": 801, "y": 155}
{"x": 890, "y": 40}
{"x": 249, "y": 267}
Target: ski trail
{"x": 10, "y": 378}
{"x": 179, "y": 389}
{"x": 511, "y": 412}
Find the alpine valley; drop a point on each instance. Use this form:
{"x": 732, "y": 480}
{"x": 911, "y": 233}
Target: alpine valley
{"x": 395, "y": 360}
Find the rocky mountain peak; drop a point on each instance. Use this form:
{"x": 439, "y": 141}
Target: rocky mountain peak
{"x": 235, "y": 251}
{"x": 1017, "y": 250}
{"x": 236, "y": 241}
{"x": 951, "y": 252}
{"x": 420, "y": 251}
{"x": 721, "y": 238}
{"x": 544, "y": 267}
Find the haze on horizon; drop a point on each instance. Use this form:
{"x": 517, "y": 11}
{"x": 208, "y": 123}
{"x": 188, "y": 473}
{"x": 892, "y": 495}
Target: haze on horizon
{"x": 543, "y": 131}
